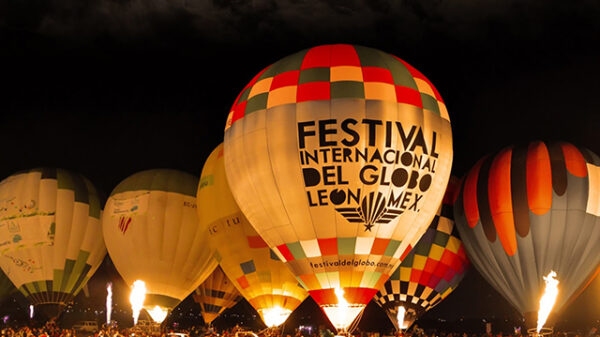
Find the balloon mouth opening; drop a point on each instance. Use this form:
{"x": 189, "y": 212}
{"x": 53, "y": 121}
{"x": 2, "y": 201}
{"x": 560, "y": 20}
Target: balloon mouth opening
{"x": 533, "y": 332}
{"x": 343, "y": 313}
{"x": 158, "y": 314}
{"x": 342, "y": 316}
{"x": 275, "y": 316}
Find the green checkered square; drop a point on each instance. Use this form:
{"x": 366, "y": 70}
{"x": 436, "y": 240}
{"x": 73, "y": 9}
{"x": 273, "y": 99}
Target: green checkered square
{"x": 258, "y": 102}
{"x": 347, "y": 89}
{"x": 296, "y": 250}
{"x": 320, "y": 74}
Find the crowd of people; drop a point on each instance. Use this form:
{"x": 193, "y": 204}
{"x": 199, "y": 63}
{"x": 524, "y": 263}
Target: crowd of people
{"x": 53, "y": 330}
{"x": 48, "y": 330}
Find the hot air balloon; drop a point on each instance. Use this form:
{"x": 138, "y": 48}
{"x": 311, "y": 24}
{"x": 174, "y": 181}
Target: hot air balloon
{"x": 50, "y": 234}
{"x": 215, "y": 295}
{"x": 153, "y": 235}
{"x": 259, "y": 275}
{"x": 339, "y": 156}
{"x": 528, "y": 210}
{"x": 430, "y": 272}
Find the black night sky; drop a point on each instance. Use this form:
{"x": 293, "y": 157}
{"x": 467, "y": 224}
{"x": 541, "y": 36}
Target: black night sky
{"x": 112, "y": 87}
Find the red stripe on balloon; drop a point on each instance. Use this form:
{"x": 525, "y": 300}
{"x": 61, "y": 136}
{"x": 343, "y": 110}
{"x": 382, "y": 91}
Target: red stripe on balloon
{"x": 539, "y": 178}
{"x": 574, "y": 160}
{"x": 285, "y": 252}
{"x": 500, "y": 200}
{"x": 470, "y": 195}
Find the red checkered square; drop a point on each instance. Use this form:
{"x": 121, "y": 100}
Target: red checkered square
{"x": 379, "y": 246}
{"x": 285, "y": 252}
{"x": 344, "y": 55}
{"x": 317, "y": 57}
{"x": 376, "y": 74}
{"x": 243, "y": 282}
{"x": 441, "y": 269}
{"x": 314, "y": 91}
{"x": 256, "y": 242}
{"x": 430, "y": 265}
{"x": 415, "y": 275}
{"x": 409, "y": 96}
{"x": 238, "y": 111}
{"x": 425, "y": 276}
{"x": 328, "y": 246}
{"x": 285, "y": 79}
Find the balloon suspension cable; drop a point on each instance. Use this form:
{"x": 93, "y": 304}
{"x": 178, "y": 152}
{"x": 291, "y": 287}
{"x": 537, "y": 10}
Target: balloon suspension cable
{"x": 354, "y": 323}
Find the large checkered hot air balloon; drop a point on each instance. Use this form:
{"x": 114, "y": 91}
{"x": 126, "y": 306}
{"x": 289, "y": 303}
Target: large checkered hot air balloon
{"x": 255, "y": 270}
{"x": 430, "y": 271}
{"x": 339, "y": 156}
{"x": 215, "y": 295}
{"x": 152, "y": 234}
{"x": 50, "y": 234}
{"x": 528, "y": 210}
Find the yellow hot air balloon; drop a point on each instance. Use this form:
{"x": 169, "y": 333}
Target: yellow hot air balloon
{"x": 216, "y": 295}
{"x": 152, "y": 234}
{"x": 246, "y": 259}
{"x": 339, "y": 156}
{"x": 50, "y": 235}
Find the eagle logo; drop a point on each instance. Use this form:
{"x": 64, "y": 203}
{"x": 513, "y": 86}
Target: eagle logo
{"x": 371, "y": 211}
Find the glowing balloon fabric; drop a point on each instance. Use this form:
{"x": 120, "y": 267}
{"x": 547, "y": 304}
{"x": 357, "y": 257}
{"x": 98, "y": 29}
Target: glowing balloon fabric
{"x": 430, "y": 272}
{"x": 527, "y": 210}
{"x": 152, "y": 234}
{"x": 339, "y": 156}
{"x": 51, "y": 235}
{"x": 245, "y": 258}
{"x": 215, "y": 295}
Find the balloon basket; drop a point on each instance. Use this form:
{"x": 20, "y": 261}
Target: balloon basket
{"x": 544, "y": 332}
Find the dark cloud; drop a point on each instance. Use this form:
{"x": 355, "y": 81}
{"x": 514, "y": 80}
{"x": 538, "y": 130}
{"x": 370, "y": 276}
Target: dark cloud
{"x": 242, "y": 20}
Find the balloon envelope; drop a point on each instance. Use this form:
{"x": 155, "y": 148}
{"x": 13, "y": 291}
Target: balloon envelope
{"x": 430, "y": 272}
{"x": 255, "y": 270}
{"x": 51, "y": 235}
{"x": 152, "y": 234}
{"x": 339, "y": 156}
{"x": 215, "y": 295}
{"x": 527, "y": 210}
